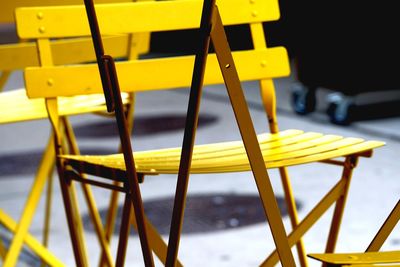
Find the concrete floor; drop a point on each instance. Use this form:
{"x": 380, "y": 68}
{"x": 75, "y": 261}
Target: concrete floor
{"x": 374, "y": 190}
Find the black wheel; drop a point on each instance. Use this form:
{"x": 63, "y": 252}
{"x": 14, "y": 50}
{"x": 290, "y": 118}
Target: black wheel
{"x": 303, "y": 100}
{"x": 341, "y": 112}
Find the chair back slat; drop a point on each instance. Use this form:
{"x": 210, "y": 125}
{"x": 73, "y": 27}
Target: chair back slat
{"x": 174, "y": 72}
{"x": 52, "y": 22}
{"x": 7, "y": 7}
{"x": 21, "y": 55}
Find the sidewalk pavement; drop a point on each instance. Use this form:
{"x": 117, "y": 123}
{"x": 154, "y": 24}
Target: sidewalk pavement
{"x": 241, "y": 241}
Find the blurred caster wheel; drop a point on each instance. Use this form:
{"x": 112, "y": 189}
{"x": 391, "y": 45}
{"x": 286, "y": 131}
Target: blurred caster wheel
{"x": 303, "y": 99}
{"x": 340, "y": 109}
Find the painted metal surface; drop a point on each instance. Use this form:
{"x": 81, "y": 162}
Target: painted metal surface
{"x": 60, "y": 22}
{"x": 279, "y": 149}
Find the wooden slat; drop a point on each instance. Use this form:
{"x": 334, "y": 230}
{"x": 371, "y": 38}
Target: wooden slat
{"x": 136, "y": 17}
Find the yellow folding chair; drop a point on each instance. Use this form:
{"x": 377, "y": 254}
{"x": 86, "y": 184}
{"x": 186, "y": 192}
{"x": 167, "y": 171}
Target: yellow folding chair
{"x": 280, "y": 149}
{"x": 372, "y": 255}
{"x": 16, "y": 107}
{"x": 26, "y": 55}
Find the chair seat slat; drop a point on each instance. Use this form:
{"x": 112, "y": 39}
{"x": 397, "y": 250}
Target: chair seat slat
{"x": 286, "y": 150}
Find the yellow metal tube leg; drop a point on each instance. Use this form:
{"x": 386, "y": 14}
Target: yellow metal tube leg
{"x": 46, "y": 228}
{"x": 252, "y": 147}
{"x": 267, "y": 91}
{"x": 292, "y": 210}
{"x": 350, "y": 164}
{"x": 312, "y": 217}
{"x": 46, "y": 166}
{"x": 3, "y": 79}
{"x": 37, "y": 248}
{"x": 113, "y": 203}
{"x": 386, "y": 229}
{"x": 88, "y": 194}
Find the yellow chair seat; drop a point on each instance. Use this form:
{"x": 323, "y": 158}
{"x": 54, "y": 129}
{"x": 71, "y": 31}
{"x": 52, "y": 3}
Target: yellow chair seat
{"x": 381, "y": 257}
{"x": 17, "y": 107}
{"x": 290, "y": 147}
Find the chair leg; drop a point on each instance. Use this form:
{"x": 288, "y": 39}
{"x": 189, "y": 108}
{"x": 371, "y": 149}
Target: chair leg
{"x": 4, "y": 78}
{"x": 88, "y": 194}
{"x": 124, "y": 231}
{"x": 110, "y": 220}
{"x": 46, "y": 166}
{"x": 243, "y": 119}
{"x": 293, "y": 215}
{"x": 349, "y": 165}
{"x": 386, "y": 229}
{"x": 113, "y": 203}
{"x": 3, "y": 250}
{"x": 309, "y": 220}
{"x": 43, "y": 253}
{"x": 73, "y": 219}
{"x": 267, "y": 91}
{"x": 156, "y": 242}
{"x": 46, "y": 227}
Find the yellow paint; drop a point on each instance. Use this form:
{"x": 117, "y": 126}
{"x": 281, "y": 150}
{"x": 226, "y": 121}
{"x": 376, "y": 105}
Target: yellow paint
{"x": 342, "y": 259}
{"x": 173, "y": 72}
{"x": 230, "y": 156}
{"x": 279, "y": 149}
{"x": 136, "y": 17}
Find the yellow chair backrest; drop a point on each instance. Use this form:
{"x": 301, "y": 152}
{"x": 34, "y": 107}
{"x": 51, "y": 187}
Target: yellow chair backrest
{"x": 18, "y": 56}
{"x": 259, "y": 63}
{"x": 8, "y": 7}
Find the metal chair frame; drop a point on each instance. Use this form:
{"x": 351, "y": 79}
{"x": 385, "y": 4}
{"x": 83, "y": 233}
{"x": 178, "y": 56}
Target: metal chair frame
{"x": 372, "y": 255}
{"x": 19, "y": 56}
{"x": 312, "y": 147}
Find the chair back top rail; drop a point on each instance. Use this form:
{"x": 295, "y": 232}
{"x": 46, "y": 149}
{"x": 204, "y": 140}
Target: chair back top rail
{"x": 52, "y": 22}
{"x": 7, "y": 7}
{"x": 138, "y": 75}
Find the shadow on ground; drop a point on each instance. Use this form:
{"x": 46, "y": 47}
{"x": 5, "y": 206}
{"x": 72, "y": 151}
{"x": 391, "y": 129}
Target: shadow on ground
{"x": 143, "y": 125}
{"x": 203, "y": 213}
{"x": 27, "y": 162}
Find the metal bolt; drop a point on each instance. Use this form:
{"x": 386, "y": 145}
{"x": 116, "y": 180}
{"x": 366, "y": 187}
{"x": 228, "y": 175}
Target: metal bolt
{"x": 254, "y": 13}
{"x": 42, "y": 29}
{"x": 263, "y": 63}
{"x": 252, "y": 1}
{"x": 50, "y": 82}
{"x": 39, "y": 15}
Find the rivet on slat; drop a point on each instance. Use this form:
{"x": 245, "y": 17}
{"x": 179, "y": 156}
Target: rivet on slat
{"x": 42, "y": 29}
{"x": 252, "y": 1}
{"x": 40, "y": 15}
{"x": 254, "y": 13}
{"x": 263, "y": 63}
{"x": 50, "y": 82}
